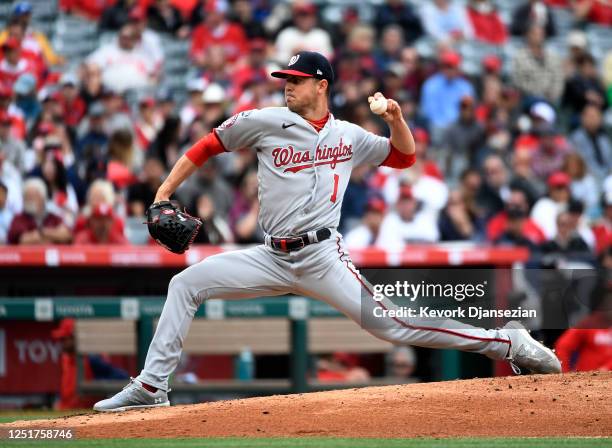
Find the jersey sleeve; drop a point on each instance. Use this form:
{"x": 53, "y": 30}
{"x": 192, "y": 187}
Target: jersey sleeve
{"x": 240, "y": 131}
{"x": 208, "y": 146}
{"x": 370, "y": 148}
{"x": 397, "y": 159}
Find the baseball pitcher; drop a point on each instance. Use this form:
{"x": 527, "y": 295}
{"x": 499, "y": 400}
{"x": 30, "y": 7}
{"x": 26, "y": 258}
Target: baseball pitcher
{"x": 305, "y": 160}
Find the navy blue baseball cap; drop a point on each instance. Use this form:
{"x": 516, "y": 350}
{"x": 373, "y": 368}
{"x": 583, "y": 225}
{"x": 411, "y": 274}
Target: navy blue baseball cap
{"x": 308, "y": 64}
{"x": 22, "y": 8}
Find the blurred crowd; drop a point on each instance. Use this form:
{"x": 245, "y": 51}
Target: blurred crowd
{"x": 513, "y": 150}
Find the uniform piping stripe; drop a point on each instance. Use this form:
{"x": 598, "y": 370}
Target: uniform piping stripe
{"x": 414, "y": 327}
{"x": 219, "y": 138}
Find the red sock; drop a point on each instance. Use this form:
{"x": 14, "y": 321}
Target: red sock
{"x": 149, "y": 388}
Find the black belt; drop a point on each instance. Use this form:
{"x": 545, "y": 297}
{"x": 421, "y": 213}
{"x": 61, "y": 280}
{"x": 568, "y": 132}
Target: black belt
{"x": 292, "y": 243}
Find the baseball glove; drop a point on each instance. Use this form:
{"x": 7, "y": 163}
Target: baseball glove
{"x": 171, "y": 228}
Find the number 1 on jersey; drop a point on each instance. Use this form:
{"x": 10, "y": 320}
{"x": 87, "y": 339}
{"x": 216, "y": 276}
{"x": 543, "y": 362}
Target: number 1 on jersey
{"x": 335, "y": 192}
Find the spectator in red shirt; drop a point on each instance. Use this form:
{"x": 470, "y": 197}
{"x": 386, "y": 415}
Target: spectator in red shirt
{"x": 253, "y": 69}
{"x": 36, "y": 225}
{"x": 516, "y": 205}
{"x": 486, "y": 23}
{"x": 602, "y": 230}
{"x": 591, "y": 346}
{"x": 94, "y": 367}
{"x": 121, "y": 153}
{"x": 216, "y": 30}
{"x": 33, "y": 39}
{"x": 73, "y": 106}
{"x": 100, "y": 229}
{"x": 186, "y": 7}
{"x": 594, "y": 11}
{"x": 341, "y": 367}
{"x": 30, "y": 48}
{"x": 13, "y": 63}
{"x": 558, "y": 3}
{"x": 430, "y": 167}
{"x": 588, "y": 346}
{"x": 68, "y": 391}
{"x": 100, "y": 192}
{"x": 90, "y": 9}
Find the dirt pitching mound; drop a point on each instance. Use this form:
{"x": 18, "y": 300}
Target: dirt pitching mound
{"x": 539, "y": 405}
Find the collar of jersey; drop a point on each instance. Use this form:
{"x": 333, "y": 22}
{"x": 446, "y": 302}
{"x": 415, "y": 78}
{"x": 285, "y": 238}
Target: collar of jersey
{"x": 330, "y": 121}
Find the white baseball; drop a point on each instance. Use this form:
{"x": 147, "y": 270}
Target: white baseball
{"x": 379, "y": 105}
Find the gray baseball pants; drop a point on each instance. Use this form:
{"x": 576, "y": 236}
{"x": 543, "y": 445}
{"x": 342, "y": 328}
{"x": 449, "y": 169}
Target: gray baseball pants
{"x": 322, "y": 271}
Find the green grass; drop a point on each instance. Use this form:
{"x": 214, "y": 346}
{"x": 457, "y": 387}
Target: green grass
{"x": 326, "y": 443}
{"x": 11, "y": 416}
{"x": 310, "y": 442}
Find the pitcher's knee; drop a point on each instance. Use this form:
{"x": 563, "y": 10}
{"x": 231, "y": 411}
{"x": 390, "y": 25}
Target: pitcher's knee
{"x": 180, "y": 285}
{"x": 192, "y": 283}
{"x": 176, "y": 282}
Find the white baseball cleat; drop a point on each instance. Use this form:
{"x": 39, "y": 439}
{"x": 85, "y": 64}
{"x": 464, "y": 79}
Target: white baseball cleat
{"x": 527, "y": 353}
{"x": 133, "y": 396}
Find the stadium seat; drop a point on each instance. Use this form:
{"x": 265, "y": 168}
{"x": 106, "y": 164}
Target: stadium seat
{"x": 426, "y": 47}
{"x": 44, "y": 9}
{"x": 600, "y": 39}
{"x": 558, "y": 45}
{"x": 564, "y": 20}
{"x": 75, "y": 38}
{"x": 5, "y": 11}
{"x": 473, "y": 52}
{"x": 175, "y": 47}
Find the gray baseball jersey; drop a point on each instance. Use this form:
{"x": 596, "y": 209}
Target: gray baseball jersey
{"x": 302, "y": 174}
{"x": 302, "y": 178}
